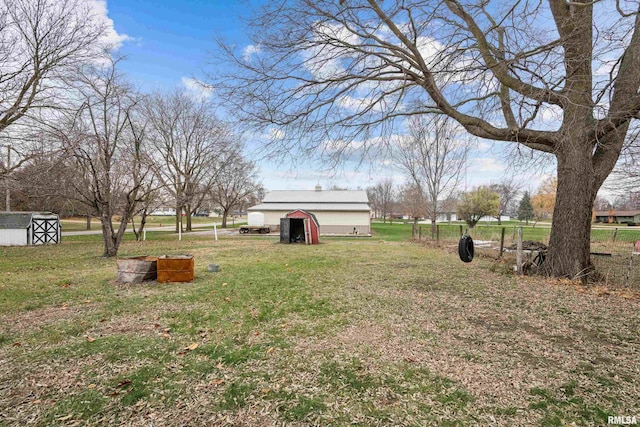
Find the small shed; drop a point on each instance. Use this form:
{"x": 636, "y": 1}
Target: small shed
{"x": 29, "y": 228}
{"x": 300, "y": 226}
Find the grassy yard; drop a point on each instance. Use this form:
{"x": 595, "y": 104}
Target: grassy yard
{"x": 350, "y": 332}
{"x": 80, "y": 224}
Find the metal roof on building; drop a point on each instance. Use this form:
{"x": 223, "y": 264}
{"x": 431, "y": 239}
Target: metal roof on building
{"x": 318, "y": 196}
{"x": 350, "y": 207}
{"x": 12, "y": 220}
{"x": 19, "y": 220}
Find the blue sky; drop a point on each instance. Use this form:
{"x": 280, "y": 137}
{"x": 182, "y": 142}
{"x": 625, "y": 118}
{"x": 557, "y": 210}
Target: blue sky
{"x": 167, "y": 43}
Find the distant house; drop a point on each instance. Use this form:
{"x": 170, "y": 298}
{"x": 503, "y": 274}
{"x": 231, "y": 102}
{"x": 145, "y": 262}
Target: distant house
{"x": 617, "y": 217}
{"x": 29, "y": 228}
{"x": 338, "y": 212}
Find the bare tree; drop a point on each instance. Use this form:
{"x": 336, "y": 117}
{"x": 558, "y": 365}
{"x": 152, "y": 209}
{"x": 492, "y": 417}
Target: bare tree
{"x": 601, "y": 204}
{"x": 507, "y": 190}
{"x": 625, "y": 179}
{"x": 433, "y": 157}
{"x": 413, "y": 201}
{"x": 41, "y": 42}
{"x": 190, "y": 144}
{"x": 105, "y": 151}
{"x": 381, "y": 197}
{"x": 328, "y": 73}
{"x": 236, "y": 181}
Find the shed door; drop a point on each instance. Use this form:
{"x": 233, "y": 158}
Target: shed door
{"x": 44, "y": 230}
{"x": 285, "y": 230}
{"x": 307, "y": 232}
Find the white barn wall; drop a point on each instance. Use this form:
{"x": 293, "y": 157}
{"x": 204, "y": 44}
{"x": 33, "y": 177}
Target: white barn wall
{"x": 13, "y": 237}
{"x": 331, "y": 222}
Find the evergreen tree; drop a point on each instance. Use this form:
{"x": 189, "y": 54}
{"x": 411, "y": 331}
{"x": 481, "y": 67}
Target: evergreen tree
{"x": 525, "y": 209}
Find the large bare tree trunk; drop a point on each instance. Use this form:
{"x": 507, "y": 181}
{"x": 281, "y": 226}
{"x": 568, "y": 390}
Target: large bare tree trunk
{"x": 225, "y": 214}
{"x": 110, "y": 248}
{"x": 188, "y": 211}
{"x": 569, "y": 245}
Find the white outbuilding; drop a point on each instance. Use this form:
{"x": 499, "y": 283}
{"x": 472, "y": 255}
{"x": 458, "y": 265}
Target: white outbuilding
{"x": 342, "y": 212}
{"x": 29, "y": 228}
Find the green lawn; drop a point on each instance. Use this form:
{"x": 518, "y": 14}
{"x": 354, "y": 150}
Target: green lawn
{"x": 399, "y": 231}
{"x": 80, "y": 224}
{"x": 349, "y": 332}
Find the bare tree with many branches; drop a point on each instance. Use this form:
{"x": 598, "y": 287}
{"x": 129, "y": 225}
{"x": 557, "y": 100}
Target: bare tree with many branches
{"x": 107, "y": 164}
{"x": 382, "y": 197}
{"x": 546, "y": 76}
{"x": 42, "y": 42}
{"x": 236, "y": 181}
{"x": 433, "y": 156}
{"x": 190, "y": 146}
{"x": 507, "y": 190}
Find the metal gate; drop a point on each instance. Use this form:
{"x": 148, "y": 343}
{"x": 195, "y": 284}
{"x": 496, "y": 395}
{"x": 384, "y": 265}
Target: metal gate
{"x": 45, "y": 230}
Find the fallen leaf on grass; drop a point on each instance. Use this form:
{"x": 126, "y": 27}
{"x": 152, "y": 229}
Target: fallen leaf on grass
{"x": 217, "y": 382}
{"x": 227, "y": 299}
{"x": 90, "y": 339}
{"x": 601, "y": 290}
{"x": 91, "y": 386}
{"x": 16, "y": 344}
{"x": 270, "y": 350}
{"x": 192, "y": 347}
{"x": 68, "y": 417}
{"x": 125, "y": 382}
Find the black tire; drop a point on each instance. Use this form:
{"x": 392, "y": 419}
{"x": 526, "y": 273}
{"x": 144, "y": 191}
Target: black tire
{"x": 465, "y": 248}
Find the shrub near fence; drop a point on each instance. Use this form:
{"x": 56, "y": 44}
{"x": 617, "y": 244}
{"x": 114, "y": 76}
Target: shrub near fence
{"x": 612, "y": 249}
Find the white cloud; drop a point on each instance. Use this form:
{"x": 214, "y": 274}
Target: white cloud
{"x": 100, "y": 12}
{"x": 359, "y": 104}
{"x": 197, "y": 88}
{"x": 250, "y": 50}
{"x": 276, "y": 134}
{"x": 485, "y": 165}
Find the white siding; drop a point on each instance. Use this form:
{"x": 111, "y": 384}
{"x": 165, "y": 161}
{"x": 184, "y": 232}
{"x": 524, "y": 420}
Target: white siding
{"x": 13, "y": 237}
{"x": 343, "y": 218}
{"x": 330, "y": 222}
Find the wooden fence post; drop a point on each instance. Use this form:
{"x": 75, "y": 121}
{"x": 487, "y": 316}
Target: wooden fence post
{"x": 519, "y": 252}
{"x": 420, "y": 234}
{"x": 437, "y": 234}
{"x": 501, "y": 243}
{"x": 615, "y": 233}
{"x": 460, "y": 230}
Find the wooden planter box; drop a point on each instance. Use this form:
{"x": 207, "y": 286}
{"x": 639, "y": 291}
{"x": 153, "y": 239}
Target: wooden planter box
{"x": 137, "y": 269}
{"x": 175, "y": 268}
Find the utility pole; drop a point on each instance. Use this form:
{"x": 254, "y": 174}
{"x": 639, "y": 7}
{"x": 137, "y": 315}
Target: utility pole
{"x": 6, "y": 181}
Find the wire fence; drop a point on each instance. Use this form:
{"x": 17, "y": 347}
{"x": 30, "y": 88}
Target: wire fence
{"x": 615, "y": 252}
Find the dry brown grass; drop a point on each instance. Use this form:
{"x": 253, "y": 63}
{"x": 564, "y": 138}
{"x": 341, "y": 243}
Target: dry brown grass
{"x": 358, "y": 332}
